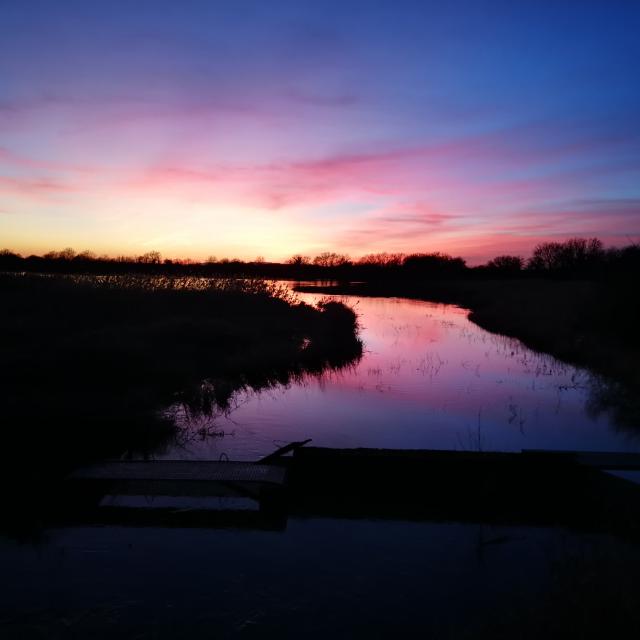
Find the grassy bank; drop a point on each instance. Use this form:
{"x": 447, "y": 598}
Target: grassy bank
{"x": 88, "y": 362}
{"x": 593, "y": 324}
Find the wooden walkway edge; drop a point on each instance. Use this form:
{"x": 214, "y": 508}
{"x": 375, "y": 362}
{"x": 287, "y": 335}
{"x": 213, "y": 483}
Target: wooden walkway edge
{"x": 183, "y": 470}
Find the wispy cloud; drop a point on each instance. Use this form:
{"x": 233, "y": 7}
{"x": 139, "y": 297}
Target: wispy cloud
{"x": 34, "y": 187}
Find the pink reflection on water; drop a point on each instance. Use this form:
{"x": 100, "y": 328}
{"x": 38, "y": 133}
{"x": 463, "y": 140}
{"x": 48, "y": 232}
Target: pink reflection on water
{"x": 429, "y": 378}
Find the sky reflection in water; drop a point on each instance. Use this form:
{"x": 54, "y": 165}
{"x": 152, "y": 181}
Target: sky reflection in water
{"x": 429, "y": 378}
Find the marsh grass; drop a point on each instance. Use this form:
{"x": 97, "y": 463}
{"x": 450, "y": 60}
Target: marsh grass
{"x": 88, "y": 362}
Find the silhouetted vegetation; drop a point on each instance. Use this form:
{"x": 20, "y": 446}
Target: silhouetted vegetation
{"x": 576, "y": 258}
{"x": 574, "y": 299}
{"x": 505, "y": 265}
{"x": 90, "y": 362}
{"x": 573, "y": 257}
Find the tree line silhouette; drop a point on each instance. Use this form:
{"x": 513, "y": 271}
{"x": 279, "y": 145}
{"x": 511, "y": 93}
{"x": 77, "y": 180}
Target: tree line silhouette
{"x": 573, "y": 258}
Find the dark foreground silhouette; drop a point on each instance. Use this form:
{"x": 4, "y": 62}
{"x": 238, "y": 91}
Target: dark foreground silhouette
{"x": 89, "y": 363}
{"x": 503, "y": 527}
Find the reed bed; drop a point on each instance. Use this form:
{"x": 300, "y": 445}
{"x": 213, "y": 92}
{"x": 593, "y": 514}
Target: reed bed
{"x": 90, "y": 363}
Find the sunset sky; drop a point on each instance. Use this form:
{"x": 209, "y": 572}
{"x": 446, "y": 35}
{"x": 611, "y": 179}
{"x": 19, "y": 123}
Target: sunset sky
{"x": 269, "y": 128}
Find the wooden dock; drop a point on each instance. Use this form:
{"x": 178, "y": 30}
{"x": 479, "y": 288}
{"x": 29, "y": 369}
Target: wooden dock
{"x": 193, "y": 478}
{"x": 539, "y": 488}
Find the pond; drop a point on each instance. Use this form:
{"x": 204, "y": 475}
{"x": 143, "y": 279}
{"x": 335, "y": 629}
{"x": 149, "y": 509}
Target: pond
{"x": 429, "y": 378}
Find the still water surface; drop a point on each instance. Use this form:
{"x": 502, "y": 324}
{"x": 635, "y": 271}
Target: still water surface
{"x": 429, "y": 378}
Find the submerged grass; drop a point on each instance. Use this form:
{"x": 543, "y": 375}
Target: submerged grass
{"x": 89, "y": 361}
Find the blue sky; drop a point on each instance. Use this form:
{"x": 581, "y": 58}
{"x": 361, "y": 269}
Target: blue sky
{"x": 246, "y": 128}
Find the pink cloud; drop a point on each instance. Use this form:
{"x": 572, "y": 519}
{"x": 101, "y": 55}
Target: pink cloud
{"x": 36, "y": 187}
{"x": 481, "y": 194}
{"x": 464, "y": 173}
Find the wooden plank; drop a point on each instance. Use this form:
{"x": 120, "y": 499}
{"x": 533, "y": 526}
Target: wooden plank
{"x": 183, "y": 470}
{"x": 278, "y": 453}
{"x": 183, "y": 488}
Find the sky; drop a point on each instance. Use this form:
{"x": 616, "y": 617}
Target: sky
{"x": 251, "y": 128}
